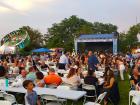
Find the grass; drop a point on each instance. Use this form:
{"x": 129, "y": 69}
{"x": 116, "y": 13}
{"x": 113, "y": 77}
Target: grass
{"x": 124, "y": 87}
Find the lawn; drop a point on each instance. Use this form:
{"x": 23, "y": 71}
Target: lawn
{"x": 124, "y": 87}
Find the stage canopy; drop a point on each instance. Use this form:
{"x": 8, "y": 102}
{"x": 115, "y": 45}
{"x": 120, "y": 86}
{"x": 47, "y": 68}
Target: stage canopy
{"x": 97, "y": 38}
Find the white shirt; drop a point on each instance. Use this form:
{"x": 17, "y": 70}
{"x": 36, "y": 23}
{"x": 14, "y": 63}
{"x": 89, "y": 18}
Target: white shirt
{"x": 15, "y": 70}
{"x": 63, "y": 59}
{"x": 74, "y": 80}
{"x": 42, "y": 57}
{"x": 18, "y": 81}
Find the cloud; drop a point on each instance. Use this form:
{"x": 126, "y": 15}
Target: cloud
{"x": 3, "y": 9}
{"x": 20, "y": 6}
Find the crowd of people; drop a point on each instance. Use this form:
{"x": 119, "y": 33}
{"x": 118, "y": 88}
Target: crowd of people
{"x": 42, "y": 70}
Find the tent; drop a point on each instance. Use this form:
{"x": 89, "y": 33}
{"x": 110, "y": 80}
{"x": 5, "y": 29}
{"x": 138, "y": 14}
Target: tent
{"x": 42, "y": 50}
{"x": 7, "y": 49}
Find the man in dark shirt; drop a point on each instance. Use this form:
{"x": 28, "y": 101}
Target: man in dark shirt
{"x": 44, "y": 66}
{"x": 92, "y": 61}
{"x": 2, "y": 70}
{"x": 90, "y": 79}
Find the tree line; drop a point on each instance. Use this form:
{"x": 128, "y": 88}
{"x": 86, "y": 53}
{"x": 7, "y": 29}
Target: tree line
{"x": 63, "y": 34}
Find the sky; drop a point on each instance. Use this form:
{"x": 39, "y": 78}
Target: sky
{"x": 41, "y": 14}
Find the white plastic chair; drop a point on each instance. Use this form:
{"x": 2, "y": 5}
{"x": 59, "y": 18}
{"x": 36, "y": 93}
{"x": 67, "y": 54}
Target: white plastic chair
{"x": 92, "y": 103}
{"x": 135, "y": 97}
{"x": 129, "y": 76}
{"x": 11, "y": 98}
{"x": 131, "y": 94}
{"x": 99, "y": 99}
{"x": 87, "y": 87}
{"x": 1, "y": 94}
{"x": 5, "y": 102}
{"x": 54, "y": 100}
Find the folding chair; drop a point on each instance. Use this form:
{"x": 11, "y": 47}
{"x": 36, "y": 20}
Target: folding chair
{"x": 87, "y": 87}
{"x": 54, "y": 100}
{"x": 135, "y": 97}
{"x": 99, "y": 99}
{"x": 1, "y": 94}
{"x": 5, "y": 102}
{"x": 11, "y": 98}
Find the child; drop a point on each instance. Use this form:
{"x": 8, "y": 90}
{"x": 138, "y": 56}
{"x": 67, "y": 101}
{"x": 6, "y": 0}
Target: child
{"x": 31, "y": 97}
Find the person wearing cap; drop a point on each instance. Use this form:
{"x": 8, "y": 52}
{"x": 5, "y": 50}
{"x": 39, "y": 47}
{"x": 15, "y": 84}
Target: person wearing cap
{"x": 52, "y": 78}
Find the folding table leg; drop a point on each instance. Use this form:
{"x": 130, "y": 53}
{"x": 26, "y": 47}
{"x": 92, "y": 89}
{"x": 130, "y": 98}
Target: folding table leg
{"x": 73, "y": 103}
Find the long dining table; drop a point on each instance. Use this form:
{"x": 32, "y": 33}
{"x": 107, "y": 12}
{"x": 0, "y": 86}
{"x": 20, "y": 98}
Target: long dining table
{"x": 66, "y": 94}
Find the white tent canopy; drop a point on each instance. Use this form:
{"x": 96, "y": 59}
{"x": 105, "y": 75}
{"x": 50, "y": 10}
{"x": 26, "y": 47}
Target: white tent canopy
{"x": 7, "y": 49}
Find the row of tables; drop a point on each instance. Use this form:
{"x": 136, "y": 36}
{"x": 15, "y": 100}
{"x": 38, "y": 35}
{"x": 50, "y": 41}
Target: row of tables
{"x": 61, "y": 93}
{"x": 66, "y": 94}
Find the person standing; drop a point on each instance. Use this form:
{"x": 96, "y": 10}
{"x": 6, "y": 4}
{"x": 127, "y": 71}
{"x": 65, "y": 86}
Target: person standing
{"x": 31, "y": 97}
{"x": 121, "y": 68}
{"x": 63, "y": 61}
{"x": 92, "y": 61}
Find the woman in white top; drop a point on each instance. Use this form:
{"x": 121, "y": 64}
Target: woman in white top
{"x": 72, "y": 78}
{"x": 121, "y": 68}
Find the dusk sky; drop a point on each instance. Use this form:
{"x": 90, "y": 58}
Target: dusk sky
{"x": 41, "y": 14}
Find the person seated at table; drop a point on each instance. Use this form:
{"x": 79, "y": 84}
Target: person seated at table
{"x": 21, "y": 64}
{"x": 107, "y": 69}
{"x": 91, "y": 79}
{"x": 39, "y": 82}
{"x": 52, "y": 78}
{"x": 31, "y": 97}
{"x": 138, "y": 62}
{"x": 5, "y": 65}
{"x": 19, "y": 79}
{"x": 14, "y": 68}
{"x": 135, "y": 78}
{"x": 31, "y": 75}
{"x": 79, "y": 71}
{"x": 111, "y": 87}
{"x": 73, "y": 79}
{"x": 44, "y": 66}
{"x": 2, "y": 70}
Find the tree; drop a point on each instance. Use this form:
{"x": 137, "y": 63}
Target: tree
{"x": 104, "y": 28}
{"x": 129, "y": 40}
{"x": 35, "y": 38}
{"x": 62, "y": 34}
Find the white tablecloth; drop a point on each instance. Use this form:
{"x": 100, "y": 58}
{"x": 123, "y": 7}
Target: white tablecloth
{"x": 67, "y": 94}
